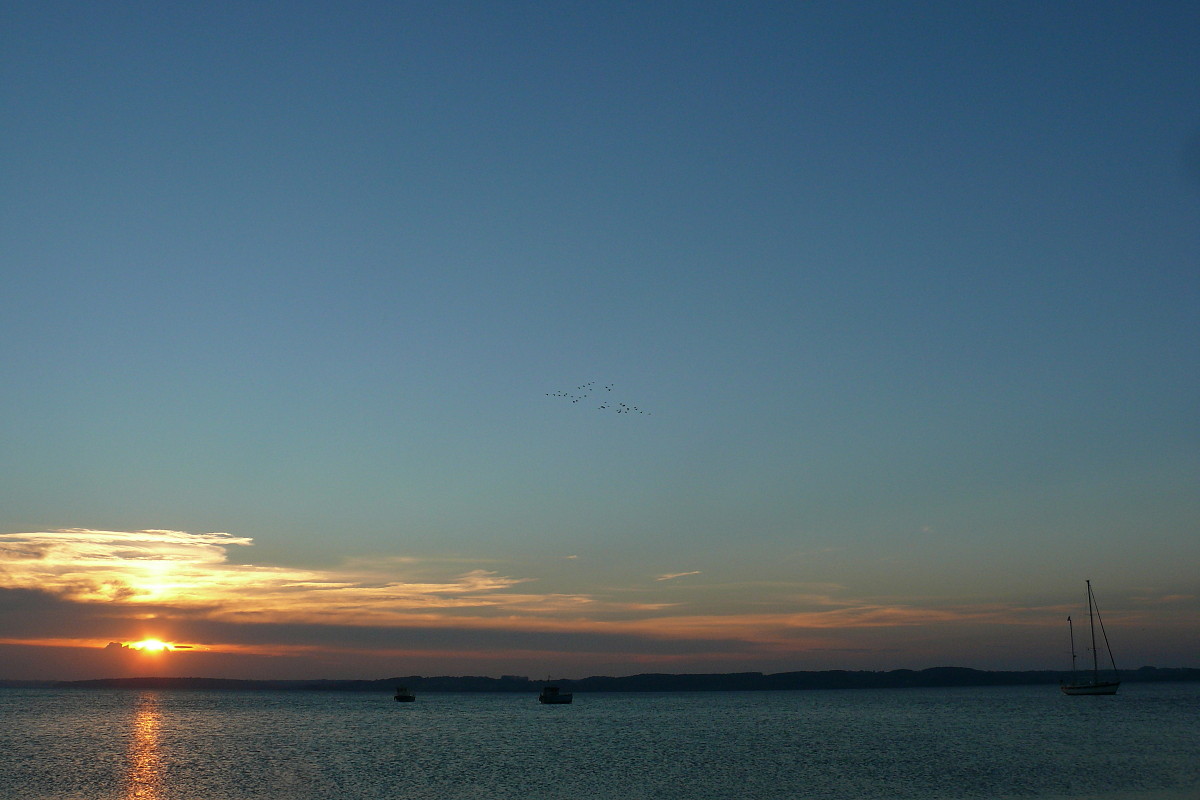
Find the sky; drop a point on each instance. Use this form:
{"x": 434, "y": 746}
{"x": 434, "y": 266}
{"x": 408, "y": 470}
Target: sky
{"x": 365, "y": 339}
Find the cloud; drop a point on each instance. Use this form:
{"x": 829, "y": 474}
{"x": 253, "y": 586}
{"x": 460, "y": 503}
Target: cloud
{"x": 192, "y": 571}
{"x": 1166, "y": 599}
{"x": 670, "y": 576}
{"x": 90, "y": 584}
{"x": 108, "y": 586}
{"x": 106, "y": 590}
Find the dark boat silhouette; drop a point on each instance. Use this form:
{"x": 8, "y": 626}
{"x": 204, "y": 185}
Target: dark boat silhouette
{"x": 1095, "y": 685}
{"x": 551, "y": 694}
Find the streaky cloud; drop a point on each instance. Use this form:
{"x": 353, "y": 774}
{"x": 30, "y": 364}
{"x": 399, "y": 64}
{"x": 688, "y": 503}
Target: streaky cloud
{"x": 670, "y": 576}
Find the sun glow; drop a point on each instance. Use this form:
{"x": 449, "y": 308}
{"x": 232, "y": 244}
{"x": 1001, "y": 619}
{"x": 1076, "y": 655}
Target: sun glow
{"x": 150, "y": 646}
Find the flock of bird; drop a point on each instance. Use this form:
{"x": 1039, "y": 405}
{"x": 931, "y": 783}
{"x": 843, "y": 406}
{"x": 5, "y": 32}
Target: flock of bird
{"x": 584, "y": 392}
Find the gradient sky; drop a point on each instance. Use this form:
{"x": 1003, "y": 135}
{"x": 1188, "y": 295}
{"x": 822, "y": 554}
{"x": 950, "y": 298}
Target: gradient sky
{"x": 901, "y": 301}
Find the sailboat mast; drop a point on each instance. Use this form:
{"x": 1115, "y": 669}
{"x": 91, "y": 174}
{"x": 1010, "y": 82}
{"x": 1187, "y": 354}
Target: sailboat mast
{"x": 1092, "y": 625}
{"x": 1071, "y": 628}
{"x": 1094, "y": 686}
{"x": 1107, "y": 646}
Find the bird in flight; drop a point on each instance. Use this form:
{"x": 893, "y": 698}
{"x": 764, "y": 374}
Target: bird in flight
{"x": 584, "y": 394}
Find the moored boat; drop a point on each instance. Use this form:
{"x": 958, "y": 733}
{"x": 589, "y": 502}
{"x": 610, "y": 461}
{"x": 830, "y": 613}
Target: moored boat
{"x": 403, "y": 695}
{"x": 1095, "y": 686}
{"x": 1102, "y": 687}
{"x": 552, "y": 694}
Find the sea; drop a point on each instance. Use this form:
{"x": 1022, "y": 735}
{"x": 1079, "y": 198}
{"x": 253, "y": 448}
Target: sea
{"x": 992, "y": 743}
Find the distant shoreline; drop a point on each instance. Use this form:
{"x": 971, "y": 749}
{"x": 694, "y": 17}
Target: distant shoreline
{"x": 653, "y": 682}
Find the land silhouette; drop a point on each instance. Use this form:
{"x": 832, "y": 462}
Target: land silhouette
{"x": 648, "y": 682}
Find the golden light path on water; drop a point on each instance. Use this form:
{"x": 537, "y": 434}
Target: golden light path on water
{"x": 144, "y": 776}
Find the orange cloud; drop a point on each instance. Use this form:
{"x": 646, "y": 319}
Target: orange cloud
{"x": 165, "y": 583}
{"x": 184, "y": 571}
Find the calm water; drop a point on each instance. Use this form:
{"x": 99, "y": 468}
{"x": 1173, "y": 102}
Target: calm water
{"x": 927, "y": 744}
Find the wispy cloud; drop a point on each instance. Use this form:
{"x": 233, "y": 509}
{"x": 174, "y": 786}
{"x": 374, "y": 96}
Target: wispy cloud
{"x": 192, "y": 571}
{"x": 670, "y": 576}
{"x": 90, "y": 587}
{"x": 161, "y": 573}
{"x": 154, "y": 572}
{"x": 1165, "y": 599}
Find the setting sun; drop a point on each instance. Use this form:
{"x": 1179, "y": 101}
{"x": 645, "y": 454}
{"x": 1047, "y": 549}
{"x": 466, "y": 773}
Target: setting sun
{"x": 150, "y": 645}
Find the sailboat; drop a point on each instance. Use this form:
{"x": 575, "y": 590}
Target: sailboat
{"x": 1095, "y": 685}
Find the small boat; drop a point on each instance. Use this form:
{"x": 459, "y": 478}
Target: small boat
{"x": 403, "y": 695}
{"x": 551, "y": 694}
{"x": 1095, "y": 685}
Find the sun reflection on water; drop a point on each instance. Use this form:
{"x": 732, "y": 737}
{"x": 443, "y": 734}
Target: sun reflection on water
{"x": 144, "y": 778}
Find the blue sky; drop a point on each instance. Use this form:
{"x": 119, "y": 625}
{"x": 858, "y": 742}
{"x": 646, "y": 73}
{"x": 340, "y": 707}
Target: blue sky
{"x": 906, "y": 295}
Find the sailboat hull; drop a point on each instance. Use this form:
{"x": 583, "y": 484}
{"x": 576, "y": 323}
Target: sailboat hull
{"x": 1090, "y": 688}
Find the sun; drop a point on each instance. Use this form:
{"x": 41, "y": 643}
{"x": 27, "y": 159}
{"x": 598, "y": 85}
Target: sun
{"x": 150, "y": 646}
